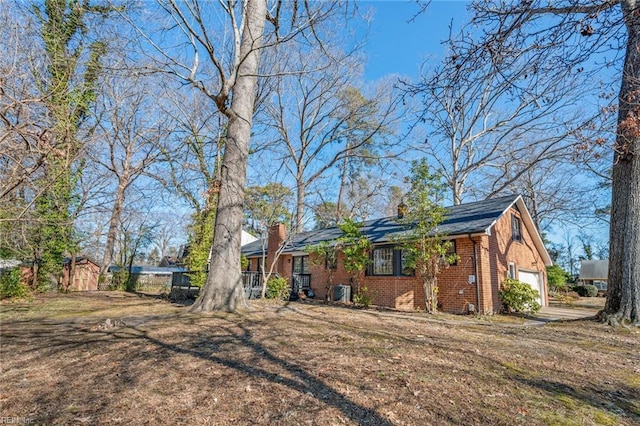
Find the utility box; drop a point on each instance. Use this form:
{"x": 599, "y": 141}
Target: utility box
{"x": 342, "y": 293}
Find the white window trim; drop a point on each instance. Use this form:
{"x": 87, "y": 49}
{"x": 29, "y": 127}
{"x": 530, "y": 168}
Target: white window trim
{"x": 511, "y": 273}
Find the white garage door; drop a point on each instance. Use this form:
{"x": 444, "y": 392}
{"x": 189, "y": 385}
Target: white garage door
{"x": 533, "y": 279}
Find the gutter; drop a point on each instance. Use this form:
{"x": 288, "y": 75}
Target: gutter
{"x": 475, "y": 269}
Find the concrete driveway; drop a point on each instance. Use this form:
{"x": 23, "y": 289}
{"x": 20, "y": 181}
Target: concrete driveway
{"x": 561, "y": 313}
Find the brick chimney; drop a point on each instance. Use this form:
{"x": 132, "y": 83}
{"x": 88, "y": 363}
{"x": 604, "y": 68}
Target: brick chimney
{"x": 402, "y": 209}
{"x": 277, "y": 236}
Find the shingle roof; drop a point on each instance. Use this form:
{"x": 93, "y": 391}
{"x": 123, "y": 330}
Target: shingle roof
{"x": 150, "y": 270}
{"x": 463, "y": 219}
{"x": 594, "y": 270}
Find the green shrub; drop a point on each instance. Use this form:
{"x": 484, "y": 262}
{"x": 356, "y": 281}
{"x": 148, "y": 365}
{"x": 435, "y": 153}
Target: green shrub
{"x": 362, "y": 298}
{"x": 586, "y": 290}
{"x": 592, "y": 290}
{"x": 10, "y": 285}
{"x": 519, "y": 297}
{"x": 278, "y": 288}
{"x": 120, "y": 280}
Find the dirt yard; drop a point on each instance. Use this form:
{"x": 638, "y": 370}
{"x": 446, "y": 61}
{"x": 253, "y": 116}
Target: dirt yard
{"x": 117, "y": 358}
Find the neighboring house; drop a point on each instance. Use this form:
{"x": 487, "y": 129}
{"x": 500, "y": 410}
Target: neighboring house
{"x": 85, "y": 275}
{"x": 150, "y": 277}
{"x": 594, "y": 272}
{"x": 494, "y": 239}
{"x": 247, "y": 238}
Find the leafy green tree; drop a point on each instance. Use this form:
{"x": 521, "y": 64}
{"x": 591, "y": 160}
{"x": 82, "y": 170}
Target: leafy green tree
{"x": 324, "y": 215}
{"x": 200, "y": 240}
{"x": 265, "y": 206}
{"x": 356, "y": 248}
{"x": 69, "y": 85}
{"x": 325, "y": 253}
{"x": 11, "y": 285}
{"x": 557, "y": 277}
{"x": 424, "y": 248}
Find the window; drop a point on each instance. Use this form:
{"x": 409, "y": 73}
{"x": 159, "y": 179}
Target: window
{"x": 388, "y": 261}
{"x": 383, "y": 261}
{"x": 451, "y": 250}
{"x": 301, "y": 264}
{"x": 516, "y": 228}
{"x": 405, "y": 269}
{"x": 331, "y": 263}
{"x": 512, "y": 270}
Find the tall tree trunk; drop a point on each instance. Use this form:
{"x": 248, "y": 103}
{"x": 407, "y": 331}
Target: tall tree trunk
{"x": 223, "y": 290}
{"x": 343, "y": 184}
{"x": 301, "y": 194}
{"x": 116, "y": 212}
{"x": 429, "y": 275}
{"x": 623, "y": 292}
{"x": 457, "y": 185}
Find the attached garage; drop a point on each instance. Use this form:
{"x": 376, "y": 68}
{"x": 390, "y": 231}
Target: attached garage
{"x": 534, "y": 280}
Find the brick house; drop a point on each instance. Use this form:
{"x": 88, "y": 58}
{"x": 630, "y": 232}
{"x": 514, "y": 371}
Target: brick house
{"x": 494, "y": 239}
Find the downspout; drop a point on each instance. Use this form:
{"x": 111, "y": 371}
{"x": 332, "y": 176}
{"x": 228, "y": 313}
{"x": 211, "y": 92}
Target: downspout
{"x": 475, "y": 269}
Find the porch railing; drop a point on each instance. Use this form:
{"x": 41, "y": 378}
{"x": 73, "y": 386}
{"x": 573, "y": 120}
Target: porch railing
{"x": 252, "y": 282}
{"x": 300, "y": 282}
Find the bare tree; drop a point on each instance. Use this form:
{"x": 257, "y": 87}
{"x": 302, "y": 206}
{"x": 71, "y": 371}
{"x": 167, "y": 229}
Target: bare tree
{"x": 566, "y": 35}
{"x": 135, "y": 234}
{"x": 192, "y": 170}
{"x": 485, "y": 105}
{"x": 323, "y": 122}
{"x": 131, "y": 130}
{"x": 222, "y": 60}
{"x": 25, "y": 141}
{"x": 557, "y": 191}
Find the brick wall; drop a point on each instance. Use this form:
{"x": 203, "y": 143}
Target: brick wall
{"x": 523, "y": 254}
{"x": 322, "y": 278}
{"x": 455, "y": 291}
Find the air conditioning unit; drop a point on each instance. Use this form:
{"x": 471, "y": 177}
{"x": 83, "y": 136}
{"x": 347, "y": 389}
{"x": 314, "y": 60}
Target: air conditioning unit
{"x": 342, "y": 293}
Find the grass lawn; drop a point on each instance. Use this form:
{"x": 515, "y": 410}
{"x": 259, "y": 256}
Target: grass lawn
{"x": 63, "y": 362}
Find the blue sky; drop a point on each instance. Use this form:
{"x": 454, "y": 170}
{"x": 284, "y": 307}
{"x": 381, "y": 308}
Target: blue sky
{"x": 397, "y": 46}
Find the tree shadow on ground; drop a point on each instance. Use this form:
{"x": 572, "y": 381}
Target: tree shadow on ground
{"x": 300, "y": 380}
{"x": 622, "y": 401}
{"x": 222, "y": 348}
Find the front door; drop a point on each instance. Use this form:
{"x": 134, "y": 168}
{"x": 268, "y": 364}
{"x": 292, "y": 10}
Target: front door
{"x": 301, "y": 279}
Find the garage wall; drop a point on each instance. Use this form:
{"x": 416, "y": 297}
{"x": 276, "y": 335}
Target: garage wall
{"x": 524, "y": 255}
